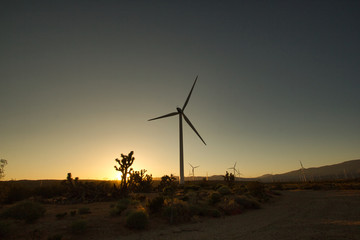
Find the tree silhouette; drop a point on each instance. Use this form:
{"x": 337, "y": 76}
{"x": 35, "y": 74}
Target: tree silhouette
{"x": 3, "y": 162}
{"x": 125, "y": 164}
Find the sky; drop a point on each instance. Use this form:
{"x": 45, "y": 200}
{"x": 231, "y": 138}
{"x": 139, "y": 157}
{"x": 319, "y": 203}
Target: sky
{"x": 278, "y": 83}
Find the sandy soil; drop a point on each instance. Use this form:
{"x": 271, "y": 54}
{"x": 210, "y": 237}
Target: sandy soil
{"x": 330, "y": 215}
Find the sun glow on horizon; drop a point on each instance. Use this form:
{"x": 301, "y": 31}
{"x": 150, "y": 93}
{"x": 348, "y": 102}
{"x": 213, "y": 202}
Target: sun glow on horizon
{"x": 119, "y": 176}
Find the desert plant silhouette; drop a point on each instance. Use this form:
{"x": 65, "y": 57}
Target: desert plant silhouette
{"x": 139, "y": 181}
{"x": 3, "y": 162}
{"x": 125, "y": 164}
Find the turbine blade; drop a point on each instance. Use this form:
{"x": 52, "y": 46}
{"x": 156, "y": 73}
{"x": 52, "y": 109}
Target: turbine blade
{"x": 193, "y": 128}
{"x": 197, "y": 166}
{"x": 235, "y": 164}
{"x": 164, "y": 116}
{"x": 187, "y": 100}
{"x": 191, "y": 165}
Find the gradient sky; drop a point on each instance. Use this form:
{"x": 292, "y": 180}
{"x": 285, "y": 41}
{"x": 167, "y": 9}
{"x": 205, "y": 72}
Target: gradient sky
{"x": 278, "y": 82}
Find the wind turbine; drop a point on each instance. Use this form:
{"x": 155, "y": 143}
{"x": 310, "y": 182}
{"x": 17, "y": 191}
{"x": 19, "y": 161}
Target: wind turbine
{"x": 234, "y": 168}
{"x": 180, "y": 112}
{"x": 238, "y": 173}
{"x": 193, "y": 172}
{"x": 303, "y": 172}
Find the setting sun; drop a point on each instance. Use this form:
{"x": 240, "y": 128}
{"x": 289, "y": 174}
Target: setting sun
{"x": 118, "y": 176}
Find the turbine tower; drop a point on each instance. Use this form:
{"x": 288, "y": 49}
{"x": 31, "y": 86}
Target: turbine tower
{"x": 303, "y": 172}
{"x": 193, "y": 172}
{"x": 180, "y": 112}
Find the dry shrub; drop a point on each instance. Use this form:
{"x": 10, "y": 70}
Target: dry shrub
{"x": 156, "y": 204}
{"x": 247, "y": 202}
{"x": 230, "y": 206}
{"x": 224, "y": 190}
{"x": 137, "y": 219}
{"x": 177, "y": 211}
{"x": 28, "y": 211}
{"x": 120, "y": 206}
{"x": 214, "y": 198}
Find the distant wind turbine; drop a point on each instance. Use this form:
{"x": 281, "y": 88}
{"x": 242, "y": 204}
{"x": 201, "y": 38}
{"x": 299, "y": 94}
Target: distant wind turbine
{"x": 303, "y": 172}
{"x": 193, "y": 168}
{"x": 180, "y": 112}
{"x": 233, "y": 168}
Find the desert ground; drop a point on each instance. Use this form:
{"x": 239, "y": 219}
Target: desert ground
{"x": 302, "y": 214}
{"x": 330, "y": 215}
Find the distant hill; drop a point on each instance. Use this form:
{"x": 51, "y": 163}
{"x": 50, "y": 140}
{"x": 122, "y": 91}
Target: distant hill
{"x": 346, "y": 170}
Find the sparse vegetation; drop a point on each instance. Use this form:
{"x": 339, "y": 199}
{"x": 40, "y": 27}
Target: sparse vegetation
{"x": 28, "y": 211}
{"x": 137, "y": 219}
{"x": 224, "y": 190}
{"x": 140, "y": 182}
{"x": 156, "y": 204}
{"x": 168, "y": 204}
{"x": 214, "y": 198}
{"x": 120, "y": 206}
{"x": 165, "y": 200}
{"x": 247, "y": 202}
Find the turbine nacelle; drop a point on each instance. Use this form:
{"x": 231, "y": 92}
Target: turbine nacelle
{"x": 179, "y": 110}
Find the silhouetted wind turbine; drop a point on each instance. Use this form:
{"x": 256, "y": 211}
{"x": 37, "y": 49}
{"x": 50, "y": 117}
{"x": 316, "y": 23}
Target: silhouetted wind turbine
{"x": 303, "y": 172}
{"x": 180, "y": 112}
{"x": 193, "y": 168}
{"x": 234, "y": 168}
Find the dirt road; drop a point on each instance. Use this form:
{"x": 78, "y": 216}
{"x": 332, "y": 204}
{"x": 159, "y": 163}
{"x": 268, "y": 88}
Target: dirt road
{"x": 330, "y": 215}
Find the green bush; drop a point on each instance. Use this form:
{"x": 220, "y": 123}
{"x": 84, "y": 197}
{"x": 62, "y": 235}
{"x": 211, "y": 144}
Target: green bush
{"x": 155, "y": 204}
{"x": 247, "y": 202}
{"x": 78, "y": 227}
{"x": 84, "y": 210}
{"x": 28, "y": 211}
{"x": 137, "y": 220}
{"x": 214, "y": 198}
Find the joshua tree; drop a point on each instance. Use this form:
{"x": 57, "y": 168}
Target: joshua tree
{"x": 3, "y": 162}
{"x": 125, "y": 164}
{"x": 139, "y": 182}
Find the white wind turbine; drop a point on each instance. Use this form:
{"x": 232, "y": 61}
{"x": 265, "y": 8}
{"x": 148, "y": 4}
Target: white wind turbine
{"x": 180, "y": 112}
{"x": 192, "y": 170}
{"x": 233, "y": 168}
